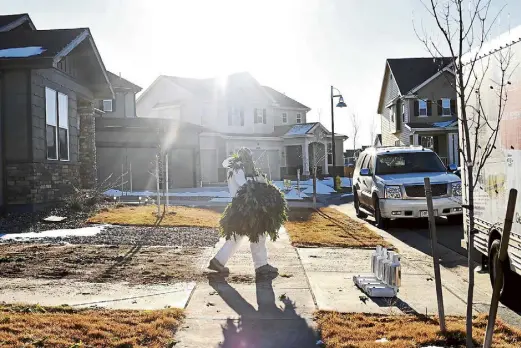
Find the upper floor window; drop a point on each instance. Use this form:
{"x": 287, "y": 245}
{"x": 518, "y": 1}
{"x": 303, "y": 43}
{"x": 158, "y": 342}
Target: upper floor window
{"x": 422, "y": 107}
{"x": 107, "y": 105}
{"x": 299, "y": 118}
{"x": 57, "y": 125}
{"x": 403, "y": 112}
{"x": 445, "y": 107}
{"x": 284, "y": 117}
{"x": 235, "y": 116}
{"x": 259, "y": 116}
{"x": 391, "y": 112}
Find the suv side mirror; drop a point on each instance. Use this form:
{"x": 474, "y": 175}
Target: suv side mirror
{"x": 452, "y": 167}
{"x": 365, "y": 172}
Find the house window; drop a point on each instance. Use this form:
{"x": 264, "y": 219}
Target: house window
{"x": 264, "y": 120}
{"x": 107, "y": 105}
{"x": 259, "y": 115}
{"x": 397, "y": 143}
{"x": 445, "y": 107}
{"x": 391, "y": 112}
{"x": 284, "y": 117}
{"x": 403, "y": 112}
{"x": 57, "y": 125}
{"x": 427, "y": 142}
{"x": 422, "y": 107}
{"x": 299, "y": 118}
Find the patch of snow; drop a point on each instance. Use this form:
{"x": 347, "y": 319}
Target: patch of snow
{"x": 321, "y": 189}
{"x": 345, "y": 182}
{"x": 382, "y": 340}
{"x": 118, "y": 193}
{"x": 221, "y": 199}
{"x": 294, "y": 195}
{"x": 21, "y": 52}
{"x": 300, "y": 129}
{"x": 82, "y": 232}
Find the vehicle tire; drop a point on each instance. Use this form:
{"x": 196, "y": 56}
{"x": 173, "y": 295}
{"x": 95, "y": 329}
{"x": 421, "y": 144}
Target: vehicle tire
{"x": 506, "y": 294}
{"x": 381, "y": 223}
{"x": 455, "y": 219}
{"x": 356, "y": 202}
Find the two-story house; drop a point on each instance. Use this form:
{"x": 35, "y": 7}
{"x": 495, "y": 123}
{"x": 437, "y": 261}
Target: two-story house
{"x": 124, "y": 103}
{"x": 49, "y": 80}
{"x": 417, "y": 105}
{"x": 237, "y": 111}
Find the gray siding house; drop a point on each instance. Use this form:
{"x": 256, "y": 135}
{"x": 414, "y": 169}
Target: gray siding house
{"x": 417, "y": 106}
{"x": 49, "y": 80}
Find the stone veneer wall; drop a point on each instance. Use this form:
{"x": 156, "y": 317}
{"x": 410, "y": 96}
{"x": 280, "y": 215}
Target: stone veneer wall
{"x": 36, "y": 183}
{"x": 87, "y": 144}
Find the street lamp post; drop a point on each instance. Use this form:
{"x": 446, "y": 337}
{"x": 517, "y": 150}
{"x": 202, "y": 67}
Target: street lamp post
{"x": 341, "y": 104}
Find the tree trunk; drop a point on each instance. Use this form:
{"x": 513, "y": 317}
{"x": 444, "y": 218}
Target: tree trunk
{"x": 470, "y": 246}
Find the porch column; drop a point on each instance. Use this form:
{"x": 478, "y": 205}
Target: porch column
{"x": 305, "y": 157}
{"x": 415, "y": 139}
{"x": 325, "y": 170}
{"x": 87, "y": 144}
{"x": 453, "y": 148}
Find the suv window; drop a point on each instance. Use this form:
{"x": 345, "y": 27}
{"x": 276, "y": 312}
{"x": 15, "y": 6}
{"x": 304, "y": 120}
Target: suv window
{"x": 409, "y": 162}
{"x": 359, "y": 162}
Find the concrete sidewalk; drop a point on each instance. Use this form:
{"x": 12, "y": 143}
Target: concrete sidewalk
{"x": 418, "y": 291}
{"x": 239, "y": 311}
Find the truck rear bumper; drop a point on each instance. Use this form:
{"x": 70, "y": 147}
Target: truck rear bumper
{"x": 413, "y": 208}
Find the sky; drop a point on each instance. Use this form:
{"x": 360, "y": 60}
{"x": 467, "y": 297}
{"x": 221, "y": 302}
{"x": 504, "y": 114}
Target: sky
{"x": 298, "y": 47}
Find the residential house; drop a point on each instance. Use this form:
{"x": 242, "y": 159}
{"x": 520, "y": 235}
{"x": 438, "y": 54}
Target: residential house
{"x": 237, "y": 111}
{"x": 417, "y": 105}
{"x": 49, "y": 80}
{"x": 124, "y": 103}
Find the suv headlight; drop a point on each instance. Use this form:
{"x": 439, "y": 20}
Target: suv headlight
{"x": 456, "y": 189}
{"x": 393, "y": 192}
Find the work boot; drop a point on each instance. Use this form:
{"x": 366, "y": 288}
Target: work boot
{"x": 215, "y": 265}
{"x": 266, "y": 269}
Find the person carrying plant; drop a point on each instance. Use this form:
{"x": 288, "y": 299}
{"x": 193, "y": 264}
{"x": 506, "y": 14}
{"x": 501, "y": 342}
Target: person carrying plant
{"x": 258, "y": 209}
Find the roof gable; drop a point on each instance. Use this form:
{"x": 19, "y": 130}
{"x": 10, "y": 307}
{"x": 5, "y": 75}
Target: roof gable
{"x": 119, "y": 82}
{"x": 283, "y": 100}
{"x": 411, "y": 72}
{"x": 47, "y": 48}
{"x": 11, "y": 22}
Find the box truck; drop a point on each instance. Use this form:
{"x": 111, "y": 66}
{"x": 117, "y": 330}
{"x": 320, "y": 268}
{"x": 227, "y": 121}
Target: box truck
{"x": 502, "y": 170}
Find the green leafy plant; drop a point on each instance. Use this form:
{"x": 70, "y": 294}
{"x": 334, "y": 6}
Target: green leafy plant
{"x": 338, "y": 183}
{"x": 257, "y": 209}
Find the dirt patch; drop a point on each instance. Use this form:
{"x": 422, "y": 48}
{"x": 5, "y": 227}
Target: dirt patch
{"x": 327, "y": 227}
{"x": 28, "y": 326}
{"x": 134, "y": 264}
{"x": 147, "y": 216}
{"x": 404, "y": 331}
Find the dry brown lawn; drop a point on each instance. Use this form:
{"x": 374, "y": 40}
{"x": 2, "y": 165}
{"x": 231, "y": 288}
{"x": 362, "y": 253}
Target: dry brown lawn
{"x": 403, "y": 331}
{"x": 178, "y": 216}
{"x": 327, "y": 227}
{"x": 66, "y": 327}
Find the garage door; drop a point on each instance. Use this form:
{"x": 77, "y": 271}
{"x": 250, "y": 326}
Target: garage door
{"x": 209, "y": 165}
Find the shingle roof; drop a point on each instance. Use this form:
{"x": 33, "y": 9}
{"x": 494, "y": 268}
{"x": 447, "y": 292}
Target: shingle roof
{"x": 8, "y": 19}
{"x": 118, "y": 81}
{"x": 51, "y": 41}
{"x": 411, "y": 72}
{"x": 283, "y": 100}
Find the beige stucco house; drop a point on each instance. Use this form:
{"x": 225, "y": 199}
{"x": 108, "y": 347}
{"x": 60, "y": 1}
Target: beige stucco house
{"x": 237, "y": 111}
{"x": 417, "y": 105}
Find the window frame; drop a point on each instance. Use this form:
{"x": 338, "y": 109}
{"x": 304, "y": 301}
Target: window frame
{"x": 111, "y": 105}
{"x": 392, "y": 111}
{"x": 57, "y": 124}
{"x": 403, "y": 112}
{"x": 284, "y": 117}
{"x": 299, "y": 118}
{"x": 420, "y": 102}
{"x": 443, "y": 114}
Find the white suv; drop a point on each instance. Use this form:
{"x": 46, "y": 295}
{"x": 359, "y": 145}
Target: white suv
{"x": 388, "y": 183}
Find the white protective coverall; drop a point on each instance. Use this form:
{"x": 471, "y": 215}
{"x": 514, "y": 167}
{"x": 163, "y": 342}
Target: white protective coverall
{"x": 259, "y": 253}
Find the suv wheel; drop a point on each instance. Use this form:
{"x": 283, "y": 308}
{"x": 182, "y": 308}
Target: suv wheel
{"x": 381, "y": 222}
{"x": 508, "y": 276}
{"x": 359, "y": 214}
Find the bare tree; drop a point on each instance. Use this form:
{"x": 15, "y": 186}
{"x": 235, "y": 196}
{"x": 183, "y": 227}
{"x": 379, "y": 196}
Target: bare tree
{"x": 465, "y": 27}
{"x": 355, "y": 124}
